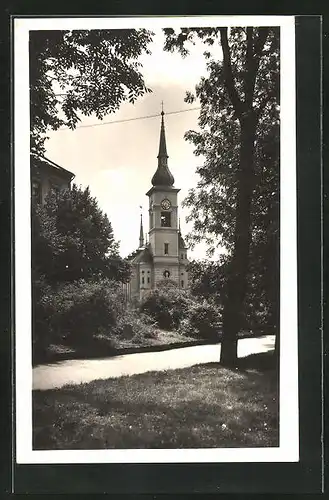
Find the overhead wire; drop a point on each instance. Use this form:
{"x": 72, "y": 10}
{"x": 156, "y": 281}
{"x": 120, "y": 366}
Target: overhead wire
{"x": 130, "y": 119}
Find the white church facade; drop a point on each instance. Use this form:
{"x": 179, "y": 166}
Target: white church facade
{"x": 162, "y": 257}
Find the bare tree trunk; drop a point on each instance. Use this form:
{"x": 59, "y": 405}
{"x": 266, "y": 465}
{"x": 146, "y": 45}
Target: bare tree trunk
{"x": 237, "y": 279}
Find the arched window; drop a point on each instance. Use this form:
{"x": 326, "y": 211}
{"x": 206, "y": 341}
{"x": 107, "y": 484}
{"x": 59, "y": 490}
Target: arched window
{"x": 165, "y": 219}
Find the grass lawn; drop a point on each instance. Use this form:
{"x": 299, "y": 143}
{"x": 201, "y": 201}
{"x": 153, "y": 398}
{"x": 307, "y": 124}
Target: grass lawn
{"x": 201, "y": 406}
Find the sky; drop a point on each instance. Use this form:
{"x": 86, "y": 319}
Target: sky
{"x": 117, "y": 161}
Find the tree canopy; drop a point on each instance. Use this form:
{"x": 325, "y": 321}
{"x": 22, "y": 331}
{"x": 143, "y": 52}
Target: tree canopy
{"x": 80, "y": 72}
{"x": 207, "y": 279}
{"x": 236, "y": 202}
{"x": 73, "y": 239}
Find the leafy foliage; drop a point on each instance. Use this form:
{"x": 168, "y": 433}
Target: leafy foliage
{"x": 135, "y": 326}
{"x": 218, "y": 142}
{"x": 76, "y": 314}
{"x": 166, "y": 306}
{"x": 167, "y": 284}
{"x": 235, "y": 204}
{"x": 208, "y": 279}
{"x": 80, "y": 72}
{"x": 73, "y": 239}
{"x": 177, "y": 309}
{"x": 202, "y": 321}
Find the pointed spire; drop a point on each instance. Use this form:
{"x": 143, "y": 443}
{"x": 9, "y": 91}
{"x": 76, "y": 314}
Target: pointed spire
{"x": 163, "y": 176}
{"x": 141, "y": 232}
{"x": 162, "y": 144}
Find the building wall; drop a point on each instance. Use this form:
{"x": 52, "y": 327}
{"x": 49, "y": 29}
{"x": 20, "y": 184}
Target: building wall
{"x": 52, "y": 182}
{"x": 138, "y": 289}
{"x": 46, "y": 176}
{"x": 159, "y": 270}
{"x": 159, "y": 236}
{"x": 145, "y": 277}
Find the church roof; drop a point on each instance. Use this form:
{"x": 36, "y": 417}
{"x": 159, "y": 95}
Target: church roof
{"x": 142, "y": 256}
{"x": 162, "y": 176}
{"x": 39, "y": 162}
{"x": 181, "y": 242}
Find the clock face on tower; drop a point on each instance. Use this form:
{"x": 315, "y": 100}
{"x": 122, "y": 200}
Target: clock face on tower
{"x": 165, "y": 204}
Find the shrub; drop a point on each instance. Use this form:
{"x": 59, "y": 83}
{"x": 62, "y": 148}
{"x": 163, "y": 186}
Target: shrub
{"x": 166, "y": 306}
{"x": 87, "y": 309}
{"x": 166, "y": 284}
{"x": 77, "y": 314}
{"x": 203, "y": 321}
{"x": 134, "y": 327}
{"x": 43, "y": 309}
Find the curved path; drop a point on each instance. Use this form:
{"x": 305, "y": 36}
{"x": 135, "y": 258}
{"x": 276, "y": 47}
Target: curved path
{"x": 78, "y": 371}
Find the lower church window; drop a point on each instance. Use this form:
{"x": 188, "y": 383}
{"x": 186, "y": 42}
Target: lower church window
{"x": 182, "y": 283}
{"x": 148, "y": 279}
{"x": 166, "y": 274}
{"x": 166, "y": 248}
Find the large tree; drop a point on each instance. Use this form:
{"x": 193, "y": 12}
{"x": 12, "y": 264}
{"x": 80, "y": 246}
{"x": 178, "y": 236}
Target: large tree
{"x": 207, "y": 279}
{"x": 80, "y": 72}
{"x": 237, "y": 196}
{"x": 73, "y": 239}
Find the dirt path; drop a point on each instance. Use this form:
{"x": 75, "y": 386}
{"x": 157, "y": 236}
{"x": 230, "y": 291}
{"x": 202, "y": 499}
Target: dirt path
{"x": 57, "y": 375}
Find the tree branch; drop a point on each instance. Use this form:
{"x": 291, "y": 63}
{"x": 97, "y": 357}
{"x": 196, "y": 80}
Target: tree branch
{"x": 229, "y": 79}
{"x": 260, "y": 42}
{"x": 249, "y": 74}
{"x": 253, "y": 55}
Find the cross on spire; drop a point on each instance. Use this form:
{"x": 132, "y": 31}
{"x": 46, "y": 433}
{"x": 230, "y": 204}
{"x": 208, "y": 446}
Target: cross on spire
{"x": 162, "y": 112}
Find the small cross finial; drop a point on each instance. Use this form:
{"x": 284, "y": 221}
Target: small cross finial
{"x": 162, "y": 112}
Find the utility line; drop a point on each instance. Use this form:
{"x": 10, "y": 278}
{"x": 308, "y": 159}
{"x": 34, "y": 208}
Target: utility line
{"x": 130, "y": 119}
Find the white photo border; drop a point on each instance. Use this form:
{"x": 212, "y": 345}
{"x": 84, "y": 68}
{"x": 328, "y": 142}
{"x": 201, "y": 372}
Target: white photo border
{"x": 288, "y": 450}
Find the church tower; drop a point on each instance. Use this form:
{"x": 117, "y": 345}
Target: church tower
{"x": 164, "y": 233}
{"x": 163, "y": 256}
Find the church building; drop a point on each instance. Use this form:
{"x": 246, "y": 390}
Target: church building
{"x": 162, "y": 257}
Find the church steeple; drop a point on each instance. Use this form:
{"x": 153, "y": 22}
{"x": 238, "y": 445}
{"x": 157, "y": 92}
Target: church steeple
{"x": 163, "y": 176}
{"x": 162, "y": 145}
{"x": 141, "y": 233}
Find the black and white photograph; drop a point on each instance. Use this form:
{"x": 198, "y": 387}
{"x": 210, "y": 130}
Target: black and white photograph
{"x": 156, "y": 278}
